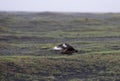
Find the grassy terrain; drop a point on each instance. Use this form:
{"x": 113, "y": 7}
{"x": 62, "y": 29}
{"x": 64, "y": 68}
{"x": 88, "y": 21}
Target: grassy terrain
{"x": 90, "y": 67}
{"x": 27, "y": 39}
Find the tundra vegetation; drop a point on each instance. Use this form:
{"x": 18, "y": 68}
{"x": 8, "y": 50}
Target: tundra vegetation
{"x": 27, "y": 39}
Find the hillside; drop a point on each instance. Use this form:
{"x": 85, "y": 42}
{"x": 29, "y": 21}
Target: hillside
{"x": 27, "y": 39}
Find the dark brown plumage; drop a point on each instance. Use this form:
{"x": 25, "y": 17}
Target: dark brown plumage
{"x": 65, "y": 49}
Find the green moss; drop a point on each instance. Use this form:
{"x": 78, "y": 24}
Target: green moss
{"x": 88, "y": 64}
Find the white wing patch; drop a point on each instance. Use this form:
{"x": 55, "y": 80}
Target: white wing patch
{"x": 57, "y": 48}
{"x": 64, "y": 45}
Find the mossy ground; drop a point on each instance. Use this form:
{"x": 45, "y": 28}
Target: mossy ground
{"x": 26, "y": 43}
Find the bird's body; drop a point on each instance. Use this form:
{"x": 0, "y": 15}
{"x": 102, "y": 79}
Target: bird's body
{"x": 65, "y": 48}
